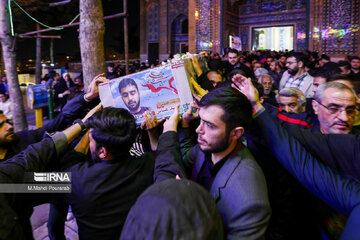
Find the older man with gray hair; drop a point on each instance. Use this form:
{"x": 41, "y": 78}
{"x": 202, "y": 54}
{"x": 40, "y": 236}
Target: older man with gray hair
{"x": 335, "y": 105}
{"x": 269, "y": 95}
{"x": 291, "y": 99}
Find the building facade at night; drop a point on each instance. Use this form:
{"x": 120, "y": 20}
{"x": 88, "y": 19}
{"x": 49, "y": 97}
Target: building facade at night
{"x": 174, "y": 26}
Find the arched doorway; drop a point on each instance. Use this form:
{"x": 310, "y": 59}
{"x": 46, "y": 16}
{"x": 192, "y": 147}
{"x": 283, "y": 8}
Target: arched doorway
{"x": 180, "y": 34}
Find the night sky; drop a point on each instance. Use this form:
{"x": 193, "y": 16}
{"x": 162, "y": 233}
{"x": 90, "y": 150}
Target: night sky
{"x": 69, "y": 44}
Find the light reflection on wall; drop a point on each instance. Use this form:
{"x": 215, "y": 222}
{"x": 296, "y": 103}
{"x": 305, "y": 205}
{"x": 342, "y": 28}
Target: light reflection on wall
{"x": 335, "y": 33}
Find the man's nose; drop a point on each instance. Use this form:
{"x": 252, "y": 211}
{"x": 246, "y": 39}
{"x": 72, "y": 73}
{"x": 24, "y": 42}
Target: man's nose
{"x": 343, "y": 116}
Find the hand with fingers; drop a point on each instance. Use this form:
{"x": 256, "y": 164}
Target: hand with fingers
{"x": 245, "y": 86}
{"x": 191, "y": 114}
{"x": 172, "y": 123}
{"x": 93, "y": 90}
{"x": 151, "y": 124}
{"x": 151, "y": 121}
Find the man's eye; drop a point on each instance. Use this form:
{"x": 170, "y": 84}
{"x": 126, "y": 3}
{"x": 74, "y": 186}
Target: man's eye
{"x": 333, "y": 109}
{"x": 125, "y": 95}
{"x": 209, "y": 125}
{"x": 292, "y": 105}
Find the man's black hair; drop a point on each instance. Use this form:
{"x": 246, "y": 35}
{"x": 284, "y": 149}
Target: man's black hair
{"x": 114, "y": 129}
{"x": 346, "y": 77}
{"x": 344, "y": 64}
{"x": 324, "y": 56}
{"x": 321, "y": 73}
{"x": 233, "y": 50}
{"x": 52, "y": 74}
{"x": 127, "y": 81}
{"x": 300, "y": 57}
{"x": 237, "y": 108}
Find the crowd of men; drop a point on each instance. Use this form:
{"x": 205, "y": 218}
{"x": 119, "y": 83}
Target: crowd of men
{"x": 269, "y": 152}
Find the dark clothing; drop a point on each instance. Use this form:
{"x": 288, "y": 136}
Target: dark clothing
{"x": 340, "y": 192}
{"x": 74, "y": 91}
{"x": 276, "y": 76}
{"x": 341, "y": 152}
{"x": 208, "y": 172}
{"x": 248, "y": 72}
{"x": 271, "y": 99}
{"x": 204, "y": 82}
{"x": 60, "y": 88}
{"x": 331, "y": 68}
{"x": 174, "y": 209}
{"x": 18, "y": 208}
{"x": 34, "y": 158}
{"x": 142, "y": 111}
{"x": 355, "y": 75}
{"x": 293, "y": 205}
{"x": 103, "y": 192}
{"x": 76, "y": 108}
{"x": 239, "y": 187}
{"x": 111, "y": 75}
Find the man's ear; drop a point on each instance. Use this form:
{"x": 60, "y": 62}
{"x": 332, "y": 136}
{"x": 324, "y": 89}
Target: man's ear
{"x": 237, "y": 132}
{"x": 103, "y": 154}
{"x": 301, "y": 64}
{"x": 315, "y": 106}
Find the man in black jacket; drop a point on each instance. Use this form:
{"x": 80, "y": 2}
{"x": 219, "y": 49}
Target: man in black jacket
{"x": 16, "y": 220}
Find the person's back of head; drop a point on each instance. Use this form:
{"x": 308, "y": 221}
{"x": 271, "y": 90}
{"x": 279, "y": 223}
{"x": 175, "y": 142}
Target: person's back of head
{"x": 346, "y": 79}
{"x": 52, "y": 74}
{"x": 113, "y": 129}
{"x": 174, "y": 209}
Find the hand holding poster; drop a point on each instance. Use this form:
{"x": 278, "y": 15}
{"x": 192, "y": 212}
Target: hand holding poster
{"x": 159, "y": 89}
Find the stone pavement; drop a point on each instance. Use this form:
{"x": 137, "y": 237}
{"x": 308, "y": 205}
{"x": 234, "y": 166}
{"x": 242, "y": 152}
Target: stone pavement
{"x": 39, "y": 224}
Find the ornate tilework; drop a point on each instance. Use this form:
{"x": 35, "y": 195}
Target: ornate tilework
{"x": 153, "y": 23}
{"x": 339, "y": 15}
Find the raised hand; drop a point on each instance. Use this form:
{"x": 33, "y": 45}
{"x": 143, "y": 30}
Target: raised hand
{"x": 93, "y": 90}
{"x": 190, "y": 114}
{"x": 151, "y": 121}
{"x": 245, "y": 86}
{"x": 172, "y": 123}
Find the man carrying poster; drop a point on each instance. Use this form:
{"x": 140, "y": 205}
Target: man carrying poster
{"x": 131, "y": 97}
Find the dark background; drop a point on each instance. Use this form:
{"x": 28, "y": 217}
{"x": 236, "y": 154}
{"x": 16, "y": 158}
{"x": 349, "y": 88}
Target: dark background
{"x": 68, "y": 45}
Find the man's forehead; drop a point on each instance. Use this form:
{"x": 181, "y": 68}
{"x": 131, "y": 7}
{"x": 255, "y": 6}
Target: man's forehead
{"x": 339, "y": 96}
{"x": 211, "y": 113}
{"x": 129, "y": 87}
{"x": 265, "y": 79}
{"x": 291, "y": 58}
{"x": 285, "y": 99}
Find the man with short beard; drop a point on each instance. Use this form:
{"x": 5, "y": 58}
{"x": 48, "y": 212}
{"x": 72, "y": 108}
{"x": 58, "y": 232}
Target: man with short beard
{"x": 130, "y": 95}
{"x": 222, "y": 164}
{"x": 296, "y": 76}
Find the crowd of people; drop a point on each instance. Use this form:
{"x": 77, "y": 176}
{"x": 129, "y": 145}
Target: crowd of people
{"x": 267, "y": 150}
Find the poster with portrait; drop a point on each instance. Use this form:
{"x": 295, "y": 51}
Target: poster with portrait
{"x": 235, "y": 42}
{"x": 158, "y": 89}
